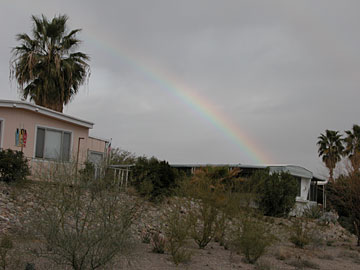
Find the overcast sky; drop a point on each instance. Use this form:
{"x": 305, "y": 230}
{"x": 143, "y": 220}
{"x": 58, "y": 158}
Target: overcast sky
{"x": 281, "y": 72}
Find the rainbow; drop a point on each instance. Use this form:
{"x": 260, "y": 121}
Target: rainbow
{"x": 189, "y": 96}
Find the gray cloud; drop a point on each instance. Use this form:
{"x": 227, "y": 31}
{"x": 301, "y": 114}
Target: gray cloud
{"x": 282, "y": 71}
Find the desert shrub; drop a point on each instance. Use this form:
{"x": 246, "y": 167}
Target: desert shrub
{"x": 276, "y": 192}
{"x": 145, "y": 236}
{"x": 153, "y": 179}
{"x": 177, "y": 233}
{"x": 202, "y": 224}
{"x": 158, "y": 242}
{"x": 210, "y": 204}
{"x": 81, "y": 226}
{"x": 13, "y": 166}
{"x": 344, "y": 197}
{"x": 300, "y": 234}
{"x": 204, "y": 196}
{"x": 88, "y": 172}
{"x": 313, "y": 212}
{"x": 251, "y": 238}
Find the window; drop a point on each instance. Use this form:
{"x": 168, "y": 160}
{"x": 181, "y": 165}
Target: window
{"x": 53, "y": 144}
{"x": 299, "y": 186}
{"x": 95, "y": 158}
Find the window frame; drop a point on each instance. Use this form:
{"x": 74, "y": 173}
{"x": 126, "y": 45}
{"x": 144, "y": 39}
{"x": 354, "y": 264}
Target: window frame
{"x": 62, "y": 138}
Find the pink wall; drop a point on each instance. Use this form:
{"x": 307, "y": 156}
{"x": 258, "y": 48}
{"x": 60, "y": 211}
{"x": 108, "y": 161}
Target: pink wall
{"x": 14, "y": 118}
{"x": 97, "y": 145}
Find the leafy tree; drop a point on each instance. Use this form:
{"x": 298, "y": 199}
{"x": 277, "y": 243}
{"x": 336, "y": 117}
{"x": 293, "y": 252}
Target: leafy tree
{"x": 153, "y": 178}
{"x": 352, "y": 146}
{"x": 120, "y": 156}
{"x": 330, "y": 149}
{"x": 344, "y": 196}
{"x": 276, "y": 192}
{"x": 46, "y": 66}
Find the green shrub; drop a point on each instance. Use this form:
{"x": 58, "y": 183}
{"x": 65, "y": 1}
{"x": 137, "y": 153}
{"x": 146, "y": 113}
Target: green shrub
{"x": 313, "y": 212}
{"x": 13, "y": 166}
{"x": 153, "y": 179}
{"x": 251, "y": 238}
{"x": 276, "y": 192}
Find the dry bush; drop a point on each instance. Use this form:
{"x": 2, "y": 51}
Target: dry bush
{"x": 145, "y": 236}
{"x": 84, "y": 226}
{"x": 251, "y": 238}
{"x": 300, "y": 233}
{"x": 203, "y": 197}
{"x": 158, "y": 242}
{"x": 177, "y": 233}
{"x": 211, "y": 202}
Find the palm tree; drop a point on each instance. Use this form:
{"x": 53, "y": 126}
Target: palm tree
{"x": 352, "y": 146}
{"x": 46, "y": 66}
{"x": 330, "y": 149}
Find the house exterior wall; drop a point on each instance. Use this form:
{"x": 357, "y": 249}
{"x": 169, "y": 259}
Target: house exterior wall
{"x": 96, "y": 145}
{"x": 13, "y": 118}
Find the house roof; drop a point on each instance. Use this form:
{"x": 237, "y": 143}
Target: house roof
{"x": 45, "y": 111}
{"x": 292, "y": 169}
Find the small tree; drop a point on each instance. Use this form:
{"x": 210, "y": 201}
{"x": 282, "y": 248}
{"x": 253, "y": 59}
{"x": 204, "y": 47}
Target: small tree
{"x": 82, "y": 226}
{"x": 251, "y": 237}
{"x": 120, "y": 156}
{"x": 206, "y": 199}
{"x": 13, "y": 166}
{"x": 177, "y": 232}
{"x": 153, "y": 178}
{"x": 330, "y": 149}
{"x": 276, "y": 192}
{"x": 344, "y": 196}
{"x": 352, "y": 146}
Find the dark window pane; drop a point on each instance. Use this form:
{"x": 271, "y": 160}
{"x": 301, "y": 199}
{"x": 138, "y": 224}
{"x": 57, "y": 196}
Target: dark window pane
{"x": 66, "y": 146}
{"x": 40, "y": 142}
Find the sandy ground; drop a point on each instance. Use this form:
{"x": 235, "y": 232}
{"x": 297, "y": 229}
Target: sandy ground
{"x": 332, "y": 247}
